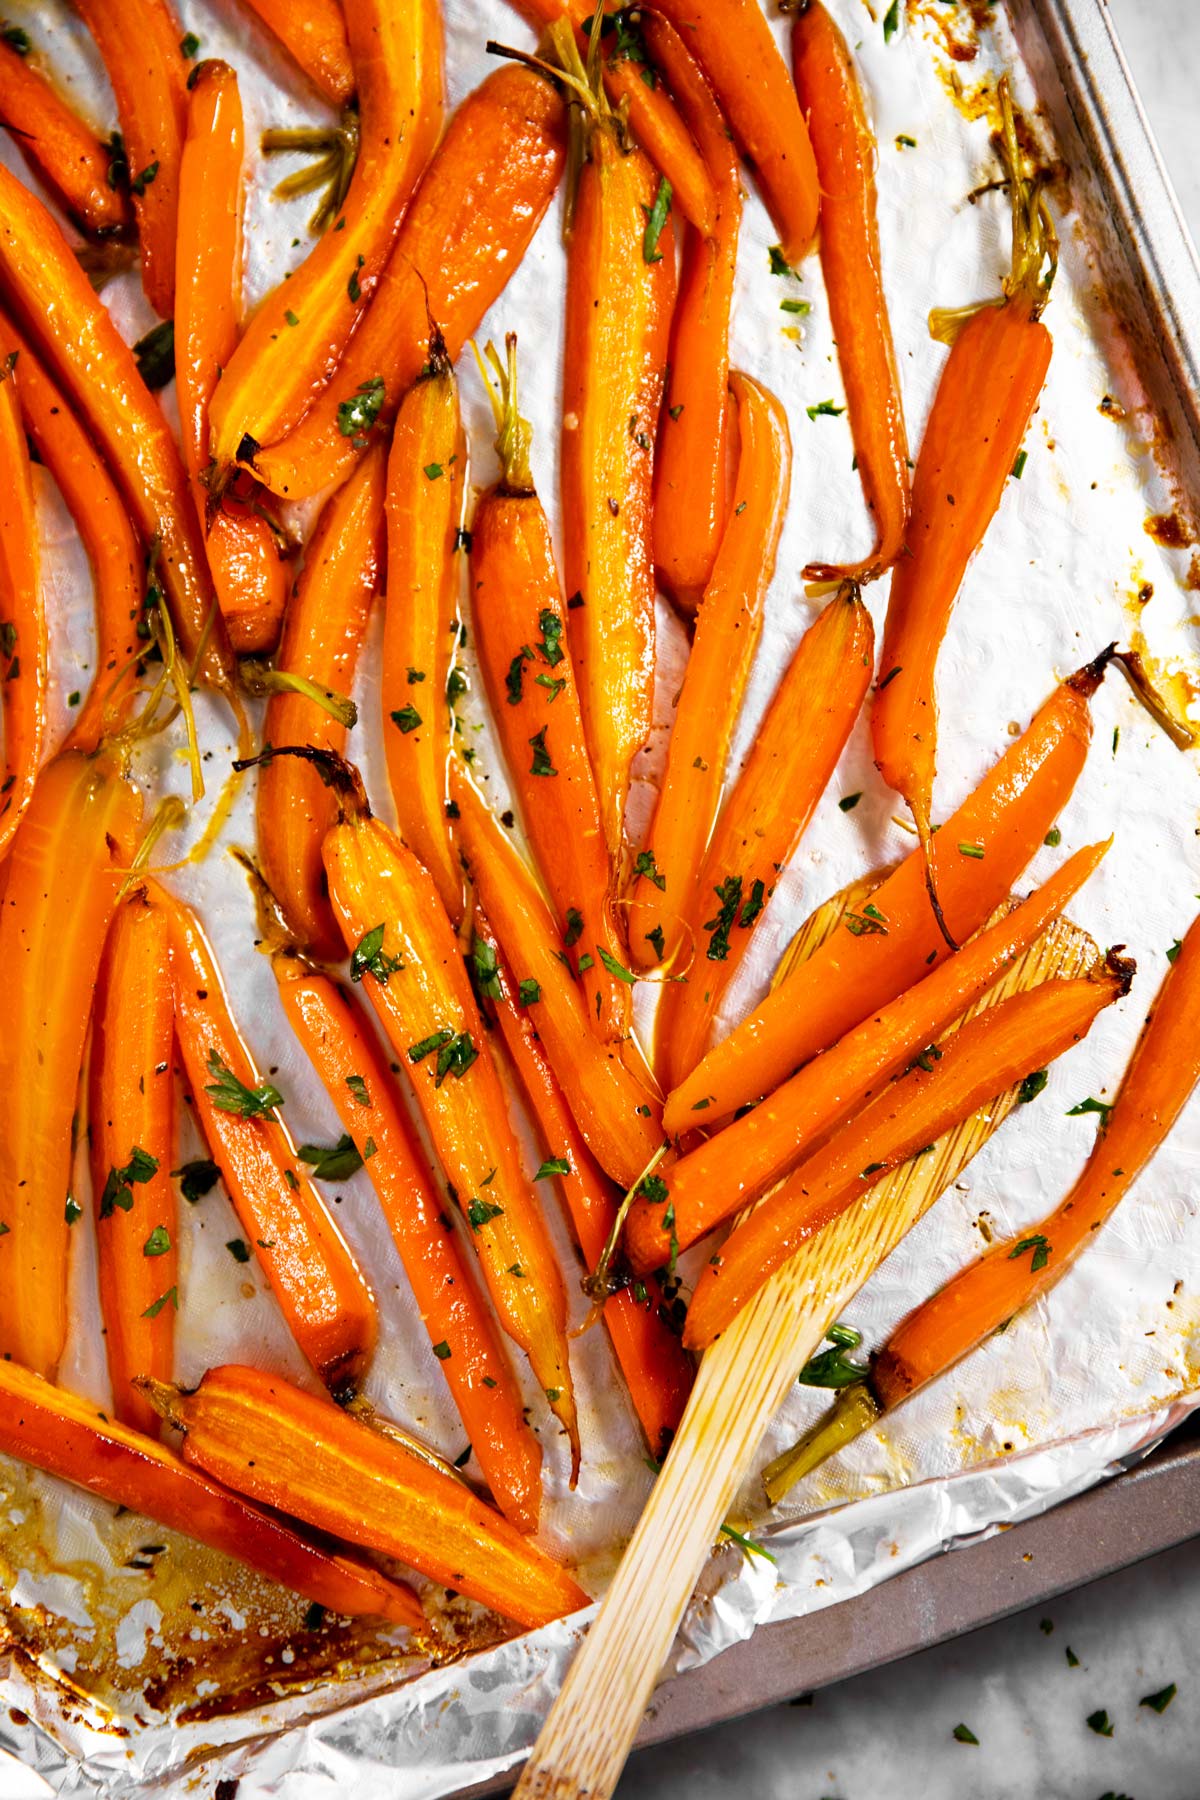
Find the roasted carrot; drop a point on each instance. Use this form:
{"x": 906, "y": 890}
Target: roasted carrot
{"x": 72, "y": 1438}
{"x": 63, "y": 878}
{"x": 118, "y": 575}
{"x": 742, "y": 1161}
{"x": 620, "y": 291}
{"x": 140, "y": 44}
{"x": 24, "y": 655}
{"x": 520, "y": 632}
{"x": 762, "y": 820}
{"x": 728, "y": 625}
{"x": 131, "y": 1120}
{"x": 426, "y": 483}
{"x": 95, "y": 366}
{"x": 313, "y": 1275}
{"x": 244, "y": 551}
{"x": 647, "y": 1348}
{"x": 322, "y": 636}
{"x": 468, "y": 227}
{"x": 844, "y": 146}
{"x": 985, "y": 399}
{"x": 313, "y": 32}
{"x": 403, "y": 946}
{"x": 348, "y": 1058}
{"x": 691, "y": 499}
{"x": 278, "y": 368}
{"x": 616, "y": 1109}
{"x": 60, "y": 148}
{"x": 290, "y": 1450}
{"x": 985, "y": 1056}
{"x": 870, "y": 959}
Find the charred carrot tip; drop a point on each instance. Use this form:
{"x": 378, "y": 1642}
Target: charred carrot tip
{"x": 1086, "y": 680}
{"x": 333, "y": 769}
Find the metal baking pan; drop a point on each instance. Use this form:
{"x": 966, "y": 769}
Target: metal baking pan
{"x": 1151, "y": 275}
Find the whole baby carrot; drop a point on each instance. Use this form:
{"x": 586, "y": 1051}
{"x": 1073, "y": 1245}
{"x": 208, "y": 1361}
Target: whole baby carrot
{"x": 322, "y": 635}
{"x": 874, "y": 956}
{"x": 299, "y": 1454}
{"x": 986, "y": 1055}
{"x": 426, "y": 483}
{"x": 467, "y": 228}
{"x": 845, "y": 150}
{"x": 762, "y": 820}
{"x": 314, "y": 34}
{"x": 58, "y": 145}
{"x": 24, "y": 654}
{"x": 520, "y": 632}
{"x": 728, "y": 625}
{"x": 742, "y": 1161}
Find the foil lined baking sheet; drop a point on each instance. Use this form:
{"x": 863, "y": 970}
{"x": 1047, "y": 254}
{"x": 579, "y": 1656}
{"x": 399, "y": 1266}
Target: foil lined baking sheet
{"x": 133, "y": 1661}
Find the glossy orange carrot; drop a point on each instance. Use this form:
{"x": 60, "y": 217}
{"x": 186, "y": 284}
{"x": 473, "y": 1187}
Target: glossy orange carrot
{"x": 322, "y": 636}
{"x": 468, "y": 227}
{"x": 985, "y": 1056}
{"x": 742, "y": 1161}
{"x": 844, "y": 146}
{"x": 403, "y": 945}
{"x": 613, "y": 1102}
{"x": 63, "y": 879}
{"x": 131, "y": 1119}
{"x": 426, "y": 483}
{"x": 95, "y": 366}
{"x": 320, "y": 1289}
{"x": 354, "y": 1071}
{"x": 691, "y": 499}
{"x": 728, "y": 625}
{"x": 985, "y": 399}
{"x": 287, "y": 1449}
{"x": 762, "y": 820}
{"x": 118, "y": 572}
{"x": 140, "y": 44}
{"x": 657, "y": 1373}
{"x": 24, "y": 655}
{"x": 868, "y": 961}
{"x": 57, "y": 144}
{"x": 74, "y": 1439}
{"x": 278, "y": 368}
{"x": 520, "y": 632}
{"x": 244, "y": 552}
{"x": 983, "y": 1297}
{"x": 313, "y": 32}
{"x": 620, "y": 291}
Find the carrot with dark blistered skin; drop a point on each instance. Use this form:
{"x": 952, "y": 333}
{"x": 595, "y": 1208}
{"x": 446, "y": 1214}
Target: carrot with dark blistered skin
{"x": 87, "y": 355}
{"x": 520, "y": 632}
{"x": 63, "y": 879}
{"x": 131, "y": 1119}
{"x": 467, "y": 228}
{"x": 764, "y": 816}
{"x": 742, "y": 1161}
{"x": 868, "y": 960}
{"x": 279, "y": 368}
{"x": 257, "y": 1434}
{"x": 61, "y": 149}
{"x": 981, "y": 411}
{"x": 24, "y": 652}
{"x": 313, "y": 32}
{"x": 244, "y": 552}
{"x": 615, "y": 1108}
{"x": 728, "y": 625}
{"x": 74, "y": 1439}
{"x": 329, "y": 1308}
{"x": 427, "y": 477}
{"x": 691, "y": 498}
{"x": 986, "y": 1055}
{"x": 657, "y": 1373}
{"x": 140, "y": 44}
{"x": 845, "y": 150}
{"x": 322, "y": 636}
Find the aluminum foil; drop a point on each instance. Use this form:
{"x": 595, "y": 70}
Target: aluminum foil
{"x": 1078, "y": 1386}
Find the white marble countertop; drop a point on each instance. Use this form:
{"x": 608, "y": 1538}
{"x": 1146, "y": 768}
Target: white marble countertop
{"x": 889, "y": 1735}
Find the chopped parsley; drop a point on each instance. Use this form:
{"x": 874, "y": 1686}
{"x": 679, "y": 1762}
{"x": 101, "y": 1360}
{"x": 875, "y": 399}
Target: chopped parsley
{"x": 370, "y": 958}
{"x": 171, "y": 1297}
{"x": 891, "y": 25}
{"x": 656, "y": 219}
{"x": 615, "y": 968}
{"x": 442, "y": 1351}
{"x": 832, "y": 1368}
{"x": 649, "y": 869}
{"x": 1092, "y": 1106}
{"x": 1160, "y": 1701}
{"x": 962, "y": 1733}
{"x": 849, "y": 802}
{"x": 481, "y": 1211}
{"x": 1032, "y": 1086}
{"x": 1041, "y": 1251}
{"x": 541, "y": 764}
{"x": 553, "y": 1165}
{"x": 197, "y": 1178}
{"x": 407, "y": 718}
{"x": 529, "y": 991}
{"x": 332, "y": 1162}
{"x": 729, "y": 893}
{"x": 358, "y": 1088}
{"x": 142, "y": 181}
{"x": 550, "y": 626}
{"x": 356, "y": 416}
{"x": 239, "y": 1249}
{"x": 155, "y": 355}
{"x": 1100, "y": 1723}
{"x": 120, "y": 1182}
{"x": 825, "y": 409}
{"x": 574, "y": 931}
{"x": 158, "y": 1243}
{"x": 230, "y": 1095}
{"x": 516, "y": 672}
{"x": 653, "y": 1188}
{"x": 484, "y": 969}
